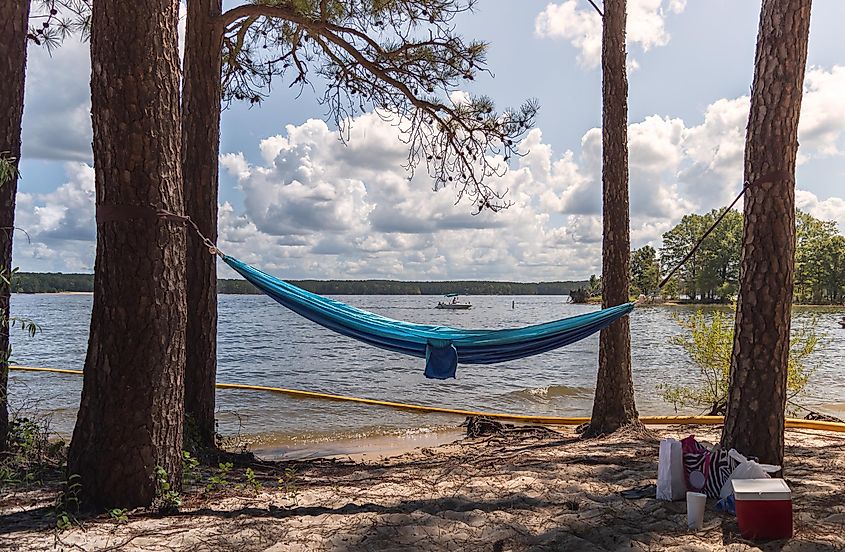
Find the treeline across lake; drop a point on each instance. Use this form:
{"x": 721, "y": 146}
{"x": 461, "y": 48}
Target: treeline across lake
{"x": 38, "y": 282}
{"x": 712, "y": 273}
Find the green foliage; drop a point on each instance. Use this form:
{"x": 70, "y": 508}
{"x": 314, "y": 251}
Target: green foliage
{"x": 50, "y": 282}
{"x": 67, "y": 505}
{"x": 288, "y": 484}
{"x": 119, "y": 515}
{"x": 712, "y": 273}
{"x": 8, "y": 168}
{"x": 404, "y": 58}
{"x": 54, "y": 21}
{"x": 251, "y": 481}
{"x": 29, "y": 452}
{"x": 168, "y": 499}
{"x": 708, "y": 341}
{"x": 64, "y": 521}
{"x": 645, "y": 271}
{"x": 393, "y": 287}
{"x": 43, "y": 282}
{"x": 189, "y": 466}
{"x": 819, "y": 261}
{"x": 221, "y": 478}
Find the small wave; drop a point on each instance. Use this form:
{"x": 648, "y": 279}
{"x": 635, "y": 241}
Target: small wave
{"x": 273, "y": 438}
{"x": 370, "y": 441}
{"x": 551, "y": 392}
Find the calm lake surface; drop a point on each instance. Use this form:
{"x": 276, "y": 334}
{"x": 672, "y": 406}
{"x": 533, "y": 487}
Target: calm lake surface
{"x": 263, "y": 343}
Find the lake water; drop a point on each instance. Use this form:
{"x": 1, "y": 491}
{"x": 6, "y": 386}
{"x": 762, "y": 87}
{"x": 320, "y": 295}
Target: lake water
{"x": 263, "y": 343}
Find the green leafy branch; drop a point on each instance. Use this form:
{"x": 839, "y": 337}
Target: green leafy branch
{"x": 708, "y": 340}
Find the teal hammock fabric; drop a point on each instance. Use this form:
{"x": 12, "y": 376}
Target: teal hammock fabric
{"x": 442, "y": 347}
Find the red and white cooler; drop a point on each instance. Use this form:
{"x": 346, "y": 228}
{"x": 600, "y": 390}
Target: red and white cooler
{"x": 763, "y": 508}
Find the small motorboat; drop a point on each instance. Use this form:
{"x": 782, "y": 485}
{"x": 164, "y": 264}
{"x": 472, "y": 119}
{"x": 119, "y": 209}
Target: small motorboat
{"x": 454, "y": 304}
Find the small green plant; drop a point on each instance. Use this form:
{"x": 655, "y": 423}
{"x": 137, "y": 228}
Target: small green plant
{"x": 119, "y": 515}
{"x": 220, "y": 479}
{"x": 67, "y": 505}
{"x": 251, "y": 481}
{"x": 8, "y": 167}
{"x": 168, "y": 499}
{"x": 288, "y": 485}
{"x": 29, "y": 453}
{"x": 64, "y": 521}
{"x": 708, "y": 341}
{"x": 189, "y": 467}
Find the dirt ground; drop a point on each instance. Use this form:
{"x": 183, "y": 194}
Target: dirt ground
{"x": 526, "y": 489}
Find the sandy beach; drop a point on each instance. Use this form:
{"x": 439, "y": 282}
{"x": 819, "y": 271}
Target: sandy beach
{"x": 525, "y": 489}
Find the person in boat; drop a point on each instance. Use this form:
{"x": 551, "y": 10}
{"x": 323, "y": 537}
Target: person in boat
{"x": 454, "y": 300}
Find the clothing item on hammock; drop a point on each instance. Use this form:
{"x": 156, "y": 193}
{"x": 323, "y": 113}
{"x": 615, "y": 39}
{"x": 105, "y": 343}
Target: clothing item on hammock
{"x": 442, "y": 347}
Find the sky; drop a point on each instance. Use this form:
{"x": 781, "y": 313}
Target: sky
{"x": 298, "y": 202}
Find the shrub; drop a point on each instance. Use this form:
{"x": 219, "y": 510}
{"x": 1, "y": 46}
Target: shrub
{"x": 708, "y": 341}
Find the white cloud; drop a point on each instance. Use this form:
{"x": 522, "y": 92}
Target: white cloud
{"x": 59, "y": 226}
{"x": 580, "y": 25}
{"x": 351, "y": 211}
{"x": 822, "y": 125}
{"x": 316, "y": 207}
{"x": 832, "y": 208}
{"x": 57, "y": 105}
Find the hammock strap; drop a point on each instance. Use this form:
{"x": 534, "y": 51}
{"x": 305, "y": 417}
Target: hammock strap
{"x": 111, "y": 212}
{"x": 765, "y": 178}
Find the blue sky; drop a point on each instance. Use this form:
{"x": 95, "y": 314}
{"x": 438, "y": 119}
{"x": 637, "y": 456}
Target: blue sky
{"x": 296, "y": 201}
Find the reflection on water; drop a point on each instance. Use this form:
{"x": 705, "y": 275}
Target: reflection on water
{"x": 262, "y": 343}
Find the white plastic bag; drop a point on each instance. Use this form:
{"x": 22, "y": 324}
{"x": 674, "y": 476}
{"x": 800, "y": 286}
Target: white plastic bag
{"x": 671, "y": 484}
{"x": 746, "y": 469}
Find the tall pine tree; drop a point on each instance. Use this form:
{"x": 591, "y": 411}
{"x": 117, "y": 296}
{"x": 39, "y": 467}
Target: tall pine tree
{"x": 129, "y": 425}
{"x": 754, "y": 423}
{"x": 613, "y": 406}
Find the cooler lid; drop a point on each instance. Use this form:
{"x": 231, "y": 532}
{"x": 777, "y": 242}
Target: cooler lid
{"x": 761, "y": 489}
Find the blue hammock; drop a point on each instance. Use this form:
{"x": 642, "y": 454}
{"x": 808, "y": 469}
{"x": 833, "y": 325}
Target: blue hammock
{"x": 442, "y": 347}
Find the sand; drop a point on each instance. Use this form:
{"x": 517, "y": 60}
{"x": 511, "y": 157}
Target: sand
{"x": 529, "y": 489}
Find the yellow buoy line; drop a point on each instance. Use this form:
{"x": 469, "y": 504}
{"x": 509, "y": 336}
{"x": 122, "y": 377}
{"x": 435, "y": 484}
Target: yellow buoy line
{"x": 792, "y": 423}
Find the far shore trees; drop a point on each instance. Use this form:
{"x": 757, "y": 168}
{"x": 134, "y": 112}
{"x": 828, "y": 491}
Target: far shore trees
{"x": 754, "y": 422}
{"x": 14, "y": 18}
{"x": 645, "y": 271}
{"x": 129, "y": 427}
{"x": 712, "y": 273}
{"x": 613, "y": 406}
{"x": 403, "y": 58}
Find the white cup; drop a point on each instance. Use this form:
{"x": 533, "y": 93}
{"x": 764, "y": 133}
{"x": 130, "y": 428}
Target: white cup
{"x": 695, "y": 510}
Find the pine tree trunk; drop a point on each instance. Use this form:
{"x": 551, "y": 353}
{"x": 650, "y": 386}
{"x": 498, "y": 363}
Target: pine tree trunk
{"x": 754, "y": 422}
{"x": 201, "y": 96}
{"x": 613, "y": 406}
{"x": 14, "y": 17}
{"x": 131, "y": 414}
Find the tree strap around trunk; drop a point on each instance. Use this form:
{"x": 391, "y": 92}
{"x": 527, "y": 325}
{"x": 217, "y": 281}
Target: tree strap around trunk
{"x": 111, "y": 212}
{"x": 768, "y": 177}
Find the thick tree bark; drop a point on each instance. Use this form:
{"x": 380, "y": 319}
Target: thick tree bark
{"x": 13, "y": 28}
{"x": 131, "y": 414}
{"x": 613, "y": 406}
{"x": 201, "y": 96}
{"x": 754, "y": 423}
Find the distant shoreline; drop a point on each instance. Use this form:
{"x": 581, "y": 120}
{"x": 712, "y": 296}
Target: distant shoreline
{"x": 42, "y": 282}
{"x": 597, "y": 304}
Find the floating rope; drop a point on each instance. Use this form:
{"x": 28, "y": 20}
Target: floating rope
{"x": 791, "y": 423}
